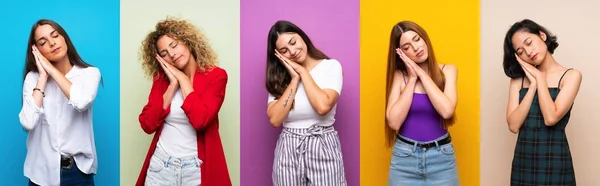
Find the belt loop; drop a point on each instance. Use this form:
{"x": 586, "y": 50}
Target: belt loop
{"x": 437, "y": 145}
{"x": 415, "y": 146}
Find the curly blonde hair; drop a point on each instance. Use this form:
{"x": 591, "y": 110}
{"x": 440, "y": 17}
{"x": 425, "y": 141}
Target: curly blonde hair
{"x": 181, "y": 30}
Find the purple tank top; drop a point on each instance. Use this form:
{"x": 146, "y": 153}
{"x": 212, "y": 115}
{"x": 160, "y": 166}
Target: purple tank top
{"x": 423, "y": 123}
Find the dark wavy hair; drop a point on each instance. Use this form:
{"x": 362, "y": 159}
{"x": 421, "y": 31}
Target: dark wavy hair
{"x": 511, "y": 66}
{"x": 74, "y": 57}
{"x": 278, "y": 78}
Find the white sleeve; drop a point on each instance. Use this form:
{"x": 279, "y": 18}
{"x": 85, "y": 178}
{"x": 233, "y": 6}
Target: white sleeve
{"x": 271, "y": 98}
{"x": 83, "y": 91}
{"x": 31, "y": 115}
{"x": 335, "y": 78}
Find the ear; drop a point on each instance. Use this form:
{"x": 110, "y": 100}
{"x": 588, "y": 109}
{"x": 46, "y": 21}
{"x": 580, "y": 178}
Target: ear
{"x": 543, "y": 36}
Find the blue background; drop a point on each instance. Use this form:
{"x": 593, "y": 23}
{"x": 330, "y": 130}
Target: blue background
{"x": 94, "y": 30}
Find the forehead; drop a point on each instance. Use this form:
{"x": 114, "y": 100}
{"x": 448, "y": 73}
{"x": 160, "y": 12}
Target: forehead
{"x": 520, "y": 36}
{"x": 284, "y": 38}
{"x": 407, "y": 36}
{"x": 43, "y": 30}
{"x": 164, "y": 41}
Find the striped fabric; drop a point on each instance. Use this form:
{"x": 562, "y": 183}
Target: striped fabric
{"x": 542, "y": 155}
{"x": 308, "y": 156}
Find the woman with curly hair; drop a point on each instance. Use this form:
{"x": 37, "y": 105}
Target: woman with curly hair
{"x": 187, "y": 92}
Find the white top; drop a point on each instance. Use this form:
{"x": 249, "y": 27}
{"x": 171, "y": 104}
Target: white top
{"x": 178, "y": 137}
{"x": 60, "y": 126}
{"x": 327, "y": 75}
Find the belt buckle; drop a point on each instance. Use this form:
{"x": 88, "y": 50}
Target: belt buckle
{"x": 70, "y": 159}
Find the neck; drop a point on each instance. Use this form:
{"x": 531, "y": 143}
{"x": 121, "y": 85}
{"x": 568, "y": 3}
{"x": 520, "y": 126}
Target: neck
{"x": 191, "y": 68}
{"x": 63, "y": 65}
{"x": 309, "y": 62}
{"x": 424, "y": 66}
{"x": 548, "y": 63}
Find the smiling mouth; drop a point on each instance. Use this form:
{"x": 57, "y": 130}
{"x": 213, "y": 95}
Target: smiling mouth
{"x": 55, "y": 50}
{"x": 178, "y": 58}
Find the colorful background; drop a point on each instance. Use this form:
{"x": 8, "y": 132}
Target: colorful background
{"x": 333, "y": 27}
{"x": 219, "y": 20}
{"x": 573, "y": 24}
{"x": 94, "y": 32}
{"x": 453, "y": 27}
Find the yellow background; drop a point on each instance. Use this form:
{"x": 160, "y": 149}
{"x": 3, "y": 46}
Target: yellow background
{"x": 453, "y": 27}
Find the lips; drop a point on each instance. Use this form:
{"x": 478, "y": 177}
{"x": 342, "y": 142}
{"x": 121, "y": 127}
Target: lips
{"x": 56, "y": 50}
{"x": 533, "y": 57}
{"x": 419, "y": 54}
{"x": 178, "y": 58}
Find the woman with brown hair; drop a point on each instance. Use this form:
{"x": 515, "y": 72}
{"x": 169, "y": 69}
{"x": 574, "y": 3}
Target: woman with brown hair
{"x": 421, "y": 100}
{"x": 58, "y": 82}
{"x": 183, "y": 106}
{"x": 304, "y": 85}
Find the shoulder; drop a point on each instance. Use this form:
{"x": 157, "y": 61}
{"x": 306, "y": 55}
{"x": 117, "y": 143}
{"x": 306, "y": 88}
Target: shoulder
{"x": 331, "y": 65}
{"x": 31, "y": 76}
{"x": 449, "y": 69}
{"x": 90, "y": 70}
{"x": 214, "y": 73}
{"x": 572, "y": 76}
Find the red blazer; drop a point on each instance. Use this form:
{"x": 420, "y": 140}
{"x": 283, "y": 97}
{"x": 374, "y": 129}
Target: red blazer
{"x": 202, "y": 108}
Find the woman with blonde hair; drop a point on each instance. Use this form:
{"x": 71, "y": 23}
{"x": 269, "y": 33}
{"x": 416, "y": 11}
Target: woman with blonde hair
{"x": 187, "y": 92}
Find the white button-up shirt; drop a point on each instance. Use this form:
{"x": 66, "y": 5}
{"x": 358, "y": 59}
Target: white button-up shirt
{"x": 61, "y": 126}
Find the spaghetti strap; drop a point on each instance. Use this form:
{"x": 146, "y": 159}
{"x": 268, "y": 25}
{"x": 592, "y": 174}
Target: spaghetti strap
{"x": 443, "y": 66}
{"x": 404, "y": 77}
{"x": 563, "y": 75}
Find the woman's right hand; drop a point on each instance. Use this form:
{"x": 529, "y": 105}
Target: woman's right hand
{"x": 172, "y": 80}
{"x": 412, "y": 75}
{"x": 288, "y": 66}
{"x": 38, "y": 63}
{"x": 528, "y": 74}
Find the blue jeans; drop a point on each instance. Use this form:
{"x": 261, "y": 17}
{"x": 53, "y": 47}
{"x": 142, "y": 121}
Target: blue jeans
{"x": 168, "y": 170}
{"x": 73, "y": 177}
{"x": 416, "y": 166}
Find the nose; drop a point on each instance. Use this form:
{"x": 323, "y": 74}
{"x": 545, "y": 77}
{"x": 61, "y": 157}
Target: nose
{"x": 171, "y": 53}
{"x": 293, "y": 52}
{"x": 528, "y": 50}
{"x": 52, "y": 42}
{"x": 414, "y": 46}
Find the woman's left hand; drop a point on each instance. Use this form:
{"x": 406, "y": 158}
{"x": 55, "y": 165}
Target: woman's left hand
{"x": 418, "y": 70}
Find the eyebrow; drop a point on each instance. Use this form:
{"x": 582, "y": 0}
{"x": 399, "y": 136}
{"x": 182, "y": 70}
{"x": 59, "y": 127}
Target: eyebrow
{"x": 163, "y": 50}
{"x": 289, "y": 42}
{"x": 44, "y": 37}
{"x": 413, "y": 38}
{"x": 524, "y": 41}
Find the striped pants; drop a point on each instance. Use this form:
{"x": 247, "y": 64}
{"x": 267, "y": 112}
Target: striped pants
{"x": 308, "y": 156}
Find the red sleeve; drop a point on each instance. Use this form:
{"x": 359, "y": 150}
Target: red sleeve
{"x": 202, "y": 108}
{"x": 153, "y": 115}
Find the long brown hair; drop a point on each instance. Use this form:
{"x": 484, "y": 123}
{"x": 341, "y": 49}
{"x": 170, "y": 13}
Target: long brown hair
{"x": 72, "y": 54}
{"x": 396, "y": 64}
{"x": 278, "y": 78}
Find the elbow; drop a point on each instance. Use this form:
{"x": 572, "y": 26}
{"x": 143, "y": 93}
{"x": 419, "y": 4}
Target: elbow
{"x": 447, "y": 114}
{"x": 550, "y": 121}
{"x": 323, "y": 110}
{"x": 513, "y": 130}
{"x": 275, "y": 123}
{"x": 82, "y": 106}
